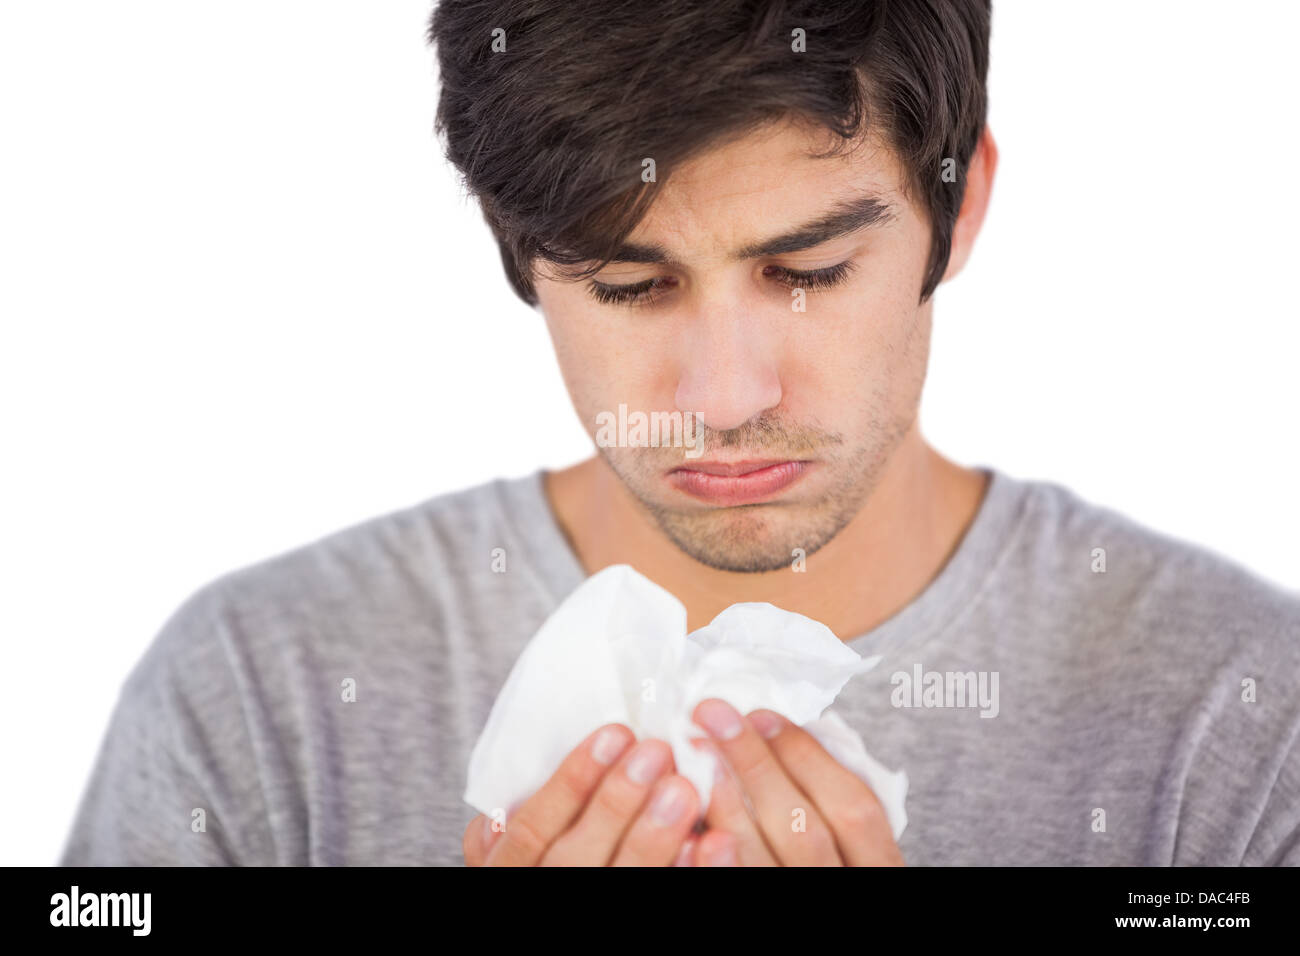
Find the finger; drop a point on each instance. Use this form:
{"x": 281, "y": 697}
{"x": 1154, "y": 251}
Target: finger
{"x": 791, "y": 824}
{"x": 478, "y": 840}
{"x": 530, "y": 830}
{"x": 594, "y": 837}
{"x": 657, "y": 836}
{"x": 851, "y": 808}
{"x": 716, "y": 848}
{"x": 686, "y": 856}
{"x": 727, "y": 812}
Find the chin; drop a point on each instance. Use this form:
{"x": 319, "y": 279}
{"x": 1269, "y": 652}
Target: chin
{"x": 745, "y": 540}
{"x": 739, "y": 562}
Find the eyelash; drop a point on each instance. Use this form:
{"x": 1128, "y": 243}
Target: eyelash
{"x": 649, "y": 290}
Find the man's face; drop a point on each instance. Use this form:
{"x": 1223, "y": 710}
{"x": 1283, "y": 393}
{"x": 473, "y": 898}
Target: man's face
{"x": 822, "y": 397}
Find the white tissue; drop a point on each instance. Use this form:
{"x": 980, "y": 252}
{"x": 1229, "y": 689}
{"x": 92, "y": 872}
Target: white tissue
{"x": 616, "y": 651}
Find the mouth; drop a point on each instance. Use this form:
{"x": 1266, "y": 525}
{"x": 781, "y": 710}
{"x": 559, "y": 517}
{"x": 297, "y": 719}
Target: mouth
{"x": 727, "y": 484}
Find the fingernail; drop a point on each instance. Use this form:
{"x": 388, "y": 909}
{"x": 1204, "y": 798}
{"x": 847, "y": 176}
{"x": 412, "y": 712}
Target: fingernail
{"x": 646, "y": 763}
{"x": 719, "y": 718}
{"x": 766, "y": 723}
{"x": 724, "y": 855}
{"x": 685, "y": 854}
{"x": 668, "y": 805}
{"x": 609, "y": 743}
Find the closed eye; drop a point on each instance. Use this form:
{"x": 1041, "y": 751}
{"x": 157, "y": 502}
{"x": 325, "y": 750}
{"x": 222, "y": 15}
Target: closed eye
{"x": 649, "y": 290}
{"x": 638, "y": 292}
{"x": 812, "y": 280}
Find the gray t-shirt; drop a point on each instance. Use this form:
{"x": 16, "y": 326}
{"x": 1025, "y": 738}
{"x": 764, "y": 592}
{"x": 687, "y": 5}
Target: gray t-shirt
{"x": 1144, "y": 714}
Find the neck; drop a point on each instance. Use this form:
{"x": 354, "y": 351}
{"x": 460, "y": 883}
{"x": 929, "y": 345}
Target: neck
{"x": 880, "y": 561}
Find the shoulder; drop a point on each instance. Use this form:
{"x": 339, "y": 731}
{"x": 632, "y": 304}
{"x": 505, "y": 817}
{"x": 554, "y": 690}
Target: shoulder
{"x": 422, "y": 538}
{"x": 362, "y": 583}
{"x": 1098, "y": 562}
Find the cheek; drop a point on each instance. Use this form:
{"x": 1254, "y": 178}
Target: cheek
{"x": 604, "y": 362}
{"x": 853, "y": 354}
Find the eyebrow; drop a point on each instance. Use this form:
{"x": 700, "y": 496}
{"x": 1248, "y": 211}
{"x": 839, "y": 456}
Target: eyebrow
{"x": 843, "y": 218}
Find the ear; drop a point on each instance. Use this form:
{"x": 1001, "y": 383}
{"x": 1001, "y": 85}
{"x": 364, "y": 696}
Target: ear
{"x": 979, "y": 186}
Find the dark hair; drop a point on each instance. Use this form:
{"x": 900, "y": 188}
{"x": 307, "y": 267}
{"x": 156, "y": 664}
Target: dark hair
{"x": 550, "y": 132}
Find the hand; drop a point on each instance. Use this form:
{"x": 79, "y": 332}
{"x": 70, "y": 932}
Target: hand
{"x": 784, "y": 770}
{"x": 609, "y": 804}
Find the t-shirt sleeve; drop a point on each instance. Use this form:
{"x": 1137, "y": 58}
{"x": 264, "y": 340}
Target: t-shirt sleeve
{"x": 175, "y": 781}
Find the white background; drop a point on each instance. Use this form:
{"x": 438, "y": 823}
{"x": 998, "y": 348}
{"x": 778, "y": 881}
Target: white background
{"x": 244, "y": 304}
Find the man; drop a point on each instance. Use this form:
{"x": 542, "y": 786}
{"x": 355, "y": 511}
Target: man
{"x": 738, "y": 213}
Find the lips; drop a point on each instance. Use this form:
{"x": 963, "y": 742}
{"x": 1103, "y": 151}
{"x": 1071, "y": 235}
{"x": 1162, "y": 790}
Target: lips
{"x": 727, "y": 484}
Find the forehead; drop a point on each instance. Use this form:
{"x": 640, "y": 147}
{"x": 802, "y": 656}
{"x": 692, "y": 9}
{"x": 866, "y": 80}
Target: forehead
{"x": 754, "y": 183}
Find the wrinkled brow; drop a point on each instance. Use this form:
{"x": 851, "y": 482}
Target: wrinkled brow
{"x": 843, "y": 218}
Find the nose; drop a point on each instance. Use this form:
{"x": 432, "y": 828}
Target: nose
{"x": 729, "y": 369}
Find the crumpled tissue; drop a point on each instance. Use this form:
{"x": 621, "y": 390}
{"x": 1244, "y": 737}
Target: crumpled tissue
{"x": 617, "y": 651}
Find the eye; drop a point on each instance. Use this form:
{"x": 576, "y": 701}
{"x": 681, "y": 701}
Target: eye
{"x": 648, "y": 290}
{"x": 811, "y": 280}
{"x": 640, "y": 293}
